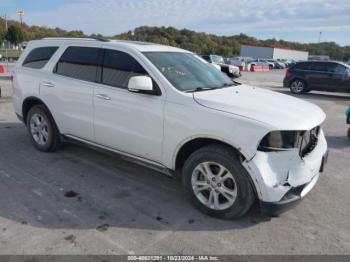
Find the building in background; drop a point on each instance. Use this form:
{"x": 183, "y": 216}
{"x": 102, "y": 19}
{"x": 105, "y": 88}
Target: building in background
{"x": 319, "y": 58}
{"x": 272, "y": 53}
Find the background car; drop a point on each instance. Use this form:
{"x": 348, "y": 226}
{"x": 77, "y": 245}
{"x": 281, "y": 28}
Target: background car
{"x": 318, "y": 75}
{"x": 260, "y": 61}
{"x": 277, "y": 64}
{"x": 230, "y": 70}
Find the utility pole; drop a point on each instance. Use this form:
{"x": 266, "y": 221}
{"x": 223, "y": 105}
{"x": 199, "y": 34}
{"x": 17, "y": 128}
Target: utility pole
{"x": 6, "y": 45}
{"x": 319, "y": 37}
{"x": 20, "y": 12}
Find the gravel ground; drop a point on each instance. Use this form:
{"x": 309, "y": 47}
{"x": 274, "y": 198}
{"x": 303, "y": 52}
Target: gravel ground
{"x": 81, "y": 201}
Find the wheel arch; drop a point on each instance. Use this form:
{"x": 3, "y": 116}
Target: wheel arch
{"x": 31, "y": 101}
{"x": 193, "y": 144}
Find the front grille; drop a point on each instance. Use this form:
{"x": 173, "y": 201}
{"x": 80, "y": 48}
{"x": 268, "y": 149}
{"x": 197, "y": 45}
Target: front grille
{"x": 308, "y": 141}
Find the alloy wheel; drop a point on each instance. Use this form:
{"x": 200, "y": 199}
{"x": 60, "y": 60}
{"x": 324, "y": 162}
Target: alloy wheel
{"x": 39, "y": 129}
{"x": 214, "y": 185}
{"x": 297, "y": 86}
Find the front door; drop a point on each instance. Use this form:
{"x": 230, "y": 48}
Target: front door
{"x": 338, "y": 77}
{"x": 123, "y": 120}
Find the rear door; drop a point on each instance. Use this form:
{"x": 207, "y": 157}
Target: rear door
{"x": 317, "y": 76}
{"x": 127, "y": 121}
{"x": 69, "y": 90}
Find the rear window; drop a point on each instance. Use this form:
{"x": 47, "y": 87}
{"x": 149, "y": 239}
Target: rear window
{"x": 80, "y": 63}
{"x": 38, "y": 57}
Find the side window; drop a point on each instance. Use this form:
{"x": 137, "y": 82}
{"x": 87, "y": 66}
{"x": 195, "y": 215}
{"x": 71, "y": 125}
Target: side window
{"x": 317, "y": 66}
{"x": 119, "y": 67}
{"x": 38, "y": 57}
{"x": 336, "y": 68}
{"x": 302, "y": 66}
{"x": 80, "y": 63}
{"x": 206, "y": 57}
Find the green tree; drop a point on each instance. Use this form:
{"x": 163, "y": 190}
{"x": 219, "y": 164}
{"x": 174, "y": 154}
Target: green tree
{"x": 14, "y": 35}
{"x": 2, "y": 37}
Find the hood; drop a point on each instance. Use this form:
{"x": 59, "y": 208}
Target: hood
{"x": 281, "y": 112}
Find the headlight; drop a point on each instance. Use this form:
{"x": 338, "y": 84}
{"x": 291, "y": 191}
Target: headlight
{"x": 280, "y": 140}
{"x": 305, "y": 141}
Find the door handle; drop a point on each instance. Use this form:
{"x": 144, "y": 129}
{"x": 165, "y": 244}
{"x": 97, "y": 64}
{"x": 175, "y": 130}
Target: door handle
{"x": 103, "y": 96}
{"x": 47, "y": 84}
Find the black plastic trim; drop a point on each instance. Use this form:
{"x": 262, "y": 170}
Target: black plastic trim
{"x": 276, "y": 208}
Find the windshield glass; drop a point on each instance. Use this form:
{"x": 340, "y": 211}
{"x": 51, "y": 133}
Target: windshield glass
{"x": 187, "y": 72}
{"x": 217, "y": 59}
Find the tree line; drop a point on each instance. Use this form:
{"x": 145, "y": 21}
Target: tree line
{"x": 201, "y": 43}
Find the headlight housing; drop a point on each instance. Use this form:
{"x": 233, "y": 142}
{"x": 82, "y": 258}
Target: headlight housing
{"x": 279, "y": 141}
{"x": 305, "y": 141}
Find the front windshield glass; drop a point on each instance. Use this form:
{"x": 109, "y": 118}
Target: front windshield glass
{"x": 187, "y": 72}
{"x": 217, "y": 59}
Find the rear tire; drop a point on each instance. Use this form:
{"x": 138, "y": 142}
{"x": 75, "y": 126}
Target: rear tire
{"x": 217, "y": 183}
{"x": 298, "y": 86}
{"x": 42, "y": 129}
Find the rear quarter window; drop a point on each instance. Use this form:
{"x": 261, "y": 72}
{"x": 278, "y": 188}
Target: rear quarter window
{"x": 38, "y": 57}
{"x": 302, "y": 66}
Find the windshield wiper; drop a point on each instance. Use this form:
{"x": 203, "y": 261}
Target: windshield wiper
{"x": 199, "y": 89}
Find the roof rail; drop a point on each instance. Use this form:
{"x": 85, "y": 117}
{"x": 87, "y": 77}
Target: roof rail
{"x": 77, "y": 38}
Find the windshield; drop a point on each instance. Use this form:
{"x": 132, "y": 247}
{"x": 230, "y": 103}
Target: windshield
{"x": 187, "y": 72}
{"x": 217, "y": 59}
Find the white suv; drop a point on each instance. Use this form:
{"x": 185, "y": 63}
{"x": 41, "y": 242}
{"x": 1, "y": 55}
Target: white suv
{"x": 166, "y": 107}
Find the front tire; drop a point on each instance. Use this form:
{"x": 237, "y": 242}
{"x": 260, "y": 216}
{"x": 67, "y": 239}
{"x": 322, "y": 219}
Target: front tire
{"x": 217, "y": 183}
{"x": 42, "y": 129}
{"x": 298, "y": 86}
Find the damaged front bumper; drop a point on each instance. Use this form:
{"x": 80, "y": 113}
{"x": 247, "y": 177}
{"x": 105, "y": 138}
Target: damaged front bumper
{"x": 283, "y": 178}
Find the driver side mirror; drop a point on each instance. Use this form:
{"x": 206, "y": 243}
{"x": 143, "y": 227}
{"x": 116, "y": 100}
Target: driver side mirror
{"x": 141, "y": 84}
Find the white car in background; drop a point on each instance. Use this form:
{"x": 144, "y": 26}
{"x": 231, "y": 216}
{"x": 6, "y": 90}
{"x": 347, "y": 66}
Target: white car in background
{"x": 230, "y": 70}
{"x": 277, "y": 64}
{"x": 231, "y": 144}
{"x": 260, "y": 61}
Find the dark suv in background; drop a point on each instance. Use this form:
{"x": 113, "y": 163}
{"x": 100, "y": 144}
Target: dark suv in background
{"x": 316, "y": 75}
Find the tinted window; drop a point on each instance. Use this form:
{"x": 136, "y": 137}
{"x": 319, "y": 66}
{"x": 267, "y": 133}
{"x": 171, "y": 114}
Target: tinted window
{"x": 38, "y": 57}
{"x": 206, "y": 57}
{"x": 118, "y": 67}
{"x": 336, "y": 68}
{"x": 80, "y": 62}
{"x": 317, "y": 66}
{"x": 302, "y": 66}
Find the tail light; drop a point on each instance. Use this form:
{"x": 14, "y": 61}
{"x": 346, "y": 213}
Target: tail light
{"x": 288, "y": 73}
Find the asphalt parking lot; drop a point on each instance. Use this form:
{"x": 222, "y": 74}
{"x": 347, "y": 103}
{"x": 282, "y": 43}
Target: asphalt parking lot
{"x": 81, "y": 201}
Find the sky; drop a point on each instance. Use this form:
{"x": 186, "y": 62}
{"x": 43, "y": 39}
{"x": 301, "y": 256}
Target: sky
{"x": 292, "y": 20}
